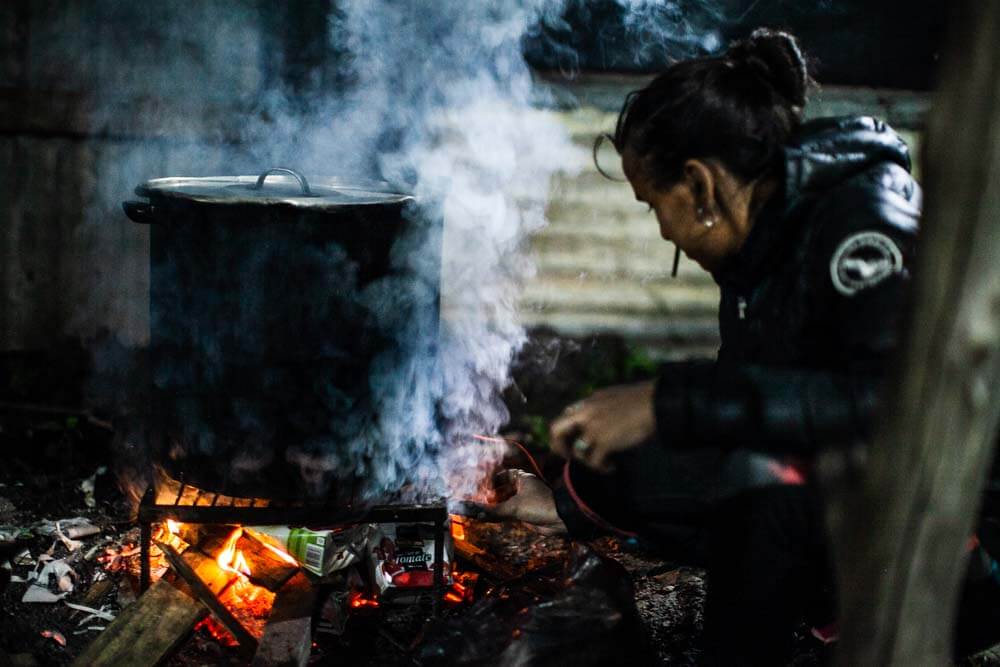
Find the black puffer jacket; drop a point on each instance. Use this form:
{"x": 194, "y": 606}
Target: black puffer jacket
{"x": 809, "y": 315}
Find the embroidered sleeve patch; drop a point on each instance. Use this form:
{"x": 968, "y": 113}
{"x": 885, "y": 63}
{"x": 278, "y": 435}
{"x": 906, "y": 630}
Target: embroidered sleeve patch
{"x": 864, "y": 260}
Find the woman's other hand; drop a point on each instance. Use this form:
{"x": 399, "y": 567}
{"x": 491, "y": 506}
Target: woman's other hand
{"x": 611, "y": 421}
{"x": 525, "y": 497}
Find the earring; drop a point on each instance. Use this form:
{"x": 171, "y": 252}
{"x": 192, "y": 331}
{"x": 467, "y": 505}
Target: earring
{"x": 708, "y": 222}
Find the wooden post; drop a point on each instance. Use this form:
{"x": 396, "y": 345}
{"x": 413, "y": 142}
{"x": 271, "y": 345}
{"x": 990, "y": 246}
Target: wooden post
{"x": 900, "y": 520}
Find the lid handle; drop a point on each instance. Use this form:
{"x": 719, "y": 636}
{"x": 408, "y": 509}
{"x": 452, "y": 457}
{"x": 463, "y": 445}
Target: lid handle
{"x": 282, "y": 170}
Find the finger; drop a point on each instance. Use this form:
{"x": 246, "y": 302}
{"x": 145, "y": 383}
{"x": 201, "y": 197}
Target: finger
{"x": 562, "y": 433}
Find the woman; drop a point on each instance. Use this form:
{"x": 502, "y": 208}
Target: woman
{"x": 808, "y": 228}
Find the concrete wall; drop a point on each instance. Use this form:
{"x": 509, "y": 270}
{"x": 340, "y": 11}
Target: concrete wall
{"x": 94, "y": 98}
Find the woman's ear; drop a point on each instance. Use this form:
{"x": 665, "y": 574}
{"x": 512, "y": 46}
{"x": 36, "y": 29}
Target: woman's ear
{"x": 700, "y": 179}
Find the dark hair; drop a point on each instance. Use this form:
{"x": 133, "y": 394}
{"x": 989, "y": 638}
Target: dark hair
{"x": 739, "y": 108}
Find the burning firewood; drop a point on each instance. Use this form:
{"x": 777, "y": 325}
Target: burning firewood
{"x": 247, "y": 643}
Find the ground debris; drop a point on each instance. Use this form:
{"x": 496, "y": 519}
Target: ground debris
{"x": 50, "y": 573}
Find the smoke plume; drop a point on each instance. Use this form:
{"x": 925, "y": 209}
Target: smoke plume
{"x": 433, "y": 97}
{"x": 446, "y": 86}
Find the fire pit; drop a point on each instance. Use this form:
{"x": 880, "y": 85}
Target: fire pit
{"x": 205, "y": 509}
{"x": 232, "y": 556}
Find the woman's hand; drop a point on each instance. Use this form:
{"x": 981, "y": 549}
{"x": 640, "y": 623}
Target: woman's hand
{"x": 611, "y": 421}
{"x": 525, "y": 498}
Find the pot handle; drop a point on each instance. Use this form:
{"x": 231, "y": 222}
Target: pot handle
{"x": 282, "y": 170}
{"x": 139, "y": 211}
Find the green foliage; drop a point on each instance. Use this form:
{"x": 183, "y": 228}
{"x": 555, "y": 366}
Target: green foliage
{"x": 630, "y": 364}
{"x": 538, "y": 431}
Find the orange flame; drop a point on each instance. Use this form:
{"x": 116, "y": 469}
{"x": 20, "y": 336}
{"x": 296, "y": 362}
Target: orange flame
{"x": 232, "y": 560}
{"x": 173, "y": 527}
{"x": 457, "y": 529}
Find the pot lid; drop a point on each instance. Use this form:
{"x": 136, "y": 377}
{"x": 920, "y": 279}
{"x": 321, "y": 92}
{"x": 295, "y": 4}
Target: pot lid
{"x": 274, "y": 186}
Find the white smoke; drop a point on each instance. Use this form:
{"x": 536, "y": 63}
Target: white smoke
{"x": 673, "y": 27}
{"x": 448, "y": 81}
{"x": 435, "y": 96}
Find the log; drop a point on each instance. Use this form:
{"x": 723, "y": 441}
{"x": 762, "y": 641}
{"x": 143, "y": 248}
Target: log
{"x": 266, "y": 569}
{"x": 152, "y": 628}
{"x": 287, "y": 639}
{"x": 900, "y": 521}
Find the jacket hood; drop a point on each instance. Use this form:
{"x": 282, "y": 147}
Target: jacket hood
{"x": 821, "y": 155}
{"x": 827, "y": 151}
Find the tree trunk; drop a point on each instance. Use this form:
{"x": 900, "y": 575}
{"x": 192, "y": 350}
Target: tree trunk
{"x": 900, "y": 520}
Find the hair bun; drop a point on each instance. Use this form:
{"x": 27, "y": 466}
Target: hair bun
{"x": 775, "y": 55}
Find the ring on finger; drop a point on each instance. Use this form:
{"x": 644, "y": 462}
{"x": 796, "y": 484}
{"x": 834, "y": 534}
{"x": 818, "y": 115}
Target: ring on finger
{"x": 574, "y": 408}
{"x": 581, "y": 448}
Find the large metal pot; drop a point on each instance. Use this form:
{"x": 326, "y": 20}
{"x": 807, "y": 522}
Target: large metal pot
{"x": 260, "y": 333}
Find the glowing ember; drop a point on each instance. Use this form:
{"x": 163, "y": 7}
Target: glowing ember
{"x": 215, "y": 631}
{"x": 358, "y": 601}
{"x": 462, "y": 589}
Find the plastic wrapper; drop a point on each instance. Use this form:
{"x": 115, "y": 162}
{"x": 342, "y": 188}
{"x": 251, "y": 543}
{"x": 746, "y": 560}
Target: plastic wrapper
{"x": 402, "y": 558}
{"x": 321, "y": 552}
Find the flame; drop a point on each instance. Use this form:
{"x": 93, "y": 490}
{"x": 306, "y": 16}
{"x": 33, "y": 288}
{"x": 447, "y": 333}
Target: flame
{"x": 457, "y": 529}
{"x": 250, "y": 603}
{"x": 173, "y": 527}
{"x": 240, "y": 564}
{"x": 232, "y": 560}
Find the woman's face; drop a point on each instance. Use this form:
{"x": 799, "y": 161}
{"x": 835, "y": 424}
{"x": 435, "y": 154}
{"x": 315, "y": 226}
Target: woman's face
{"x": 682, "y": 210}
